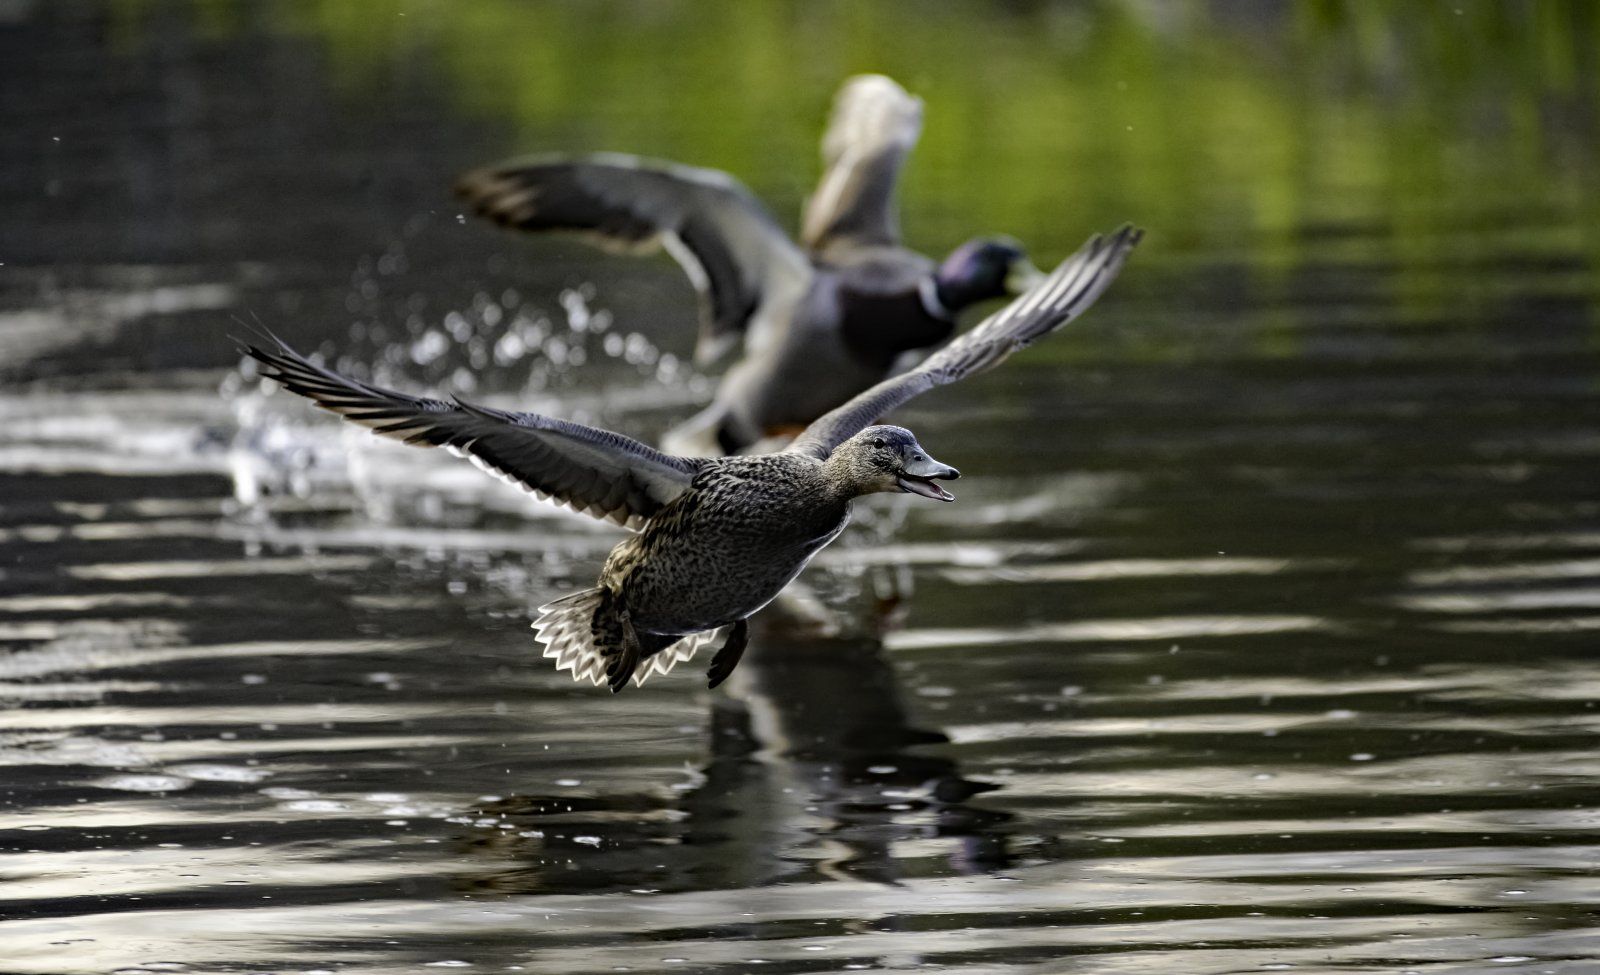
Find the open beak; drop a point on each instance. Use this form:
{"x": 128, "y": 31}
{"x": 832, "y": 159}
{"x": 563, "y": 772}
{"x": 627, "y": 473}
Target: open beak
{"x": 917, "y": 477}
{"x": 1022, "y": 275}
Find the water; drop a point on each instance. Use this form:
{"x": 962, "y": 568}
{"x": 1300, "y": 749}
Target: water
{"x": 1261, "y": 637}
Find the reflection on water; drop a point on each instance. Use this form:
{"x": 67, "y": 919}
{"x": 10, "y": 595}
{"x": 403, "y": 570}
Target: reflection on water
{"x": 1261, "y": 638}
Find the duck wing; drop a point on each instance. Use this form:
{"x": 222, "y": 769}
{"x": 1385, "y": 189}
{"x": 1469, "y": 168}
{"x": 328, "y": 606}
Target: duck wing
{"x": 875, "y": 123}
{"x": 730, "y": 246}
{"x": 1063, "y": 295}
{"x": 597, "y": 472}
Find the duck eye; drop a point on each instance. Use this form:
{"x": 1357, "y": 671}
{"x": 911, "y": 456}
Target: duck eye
{"x": 877, "y": 441}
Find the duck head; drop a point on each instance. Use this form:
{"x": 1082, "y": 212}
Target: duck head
{"x": 885, "y": 458}
{"x": 984, "y": 268}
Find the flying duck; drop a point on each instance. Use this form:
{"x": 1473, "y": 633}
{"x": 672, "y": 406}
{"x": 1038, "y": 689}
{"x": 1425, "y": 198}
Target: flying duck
{"x": 717, "y": 538}
{"x": 821, "y": 321}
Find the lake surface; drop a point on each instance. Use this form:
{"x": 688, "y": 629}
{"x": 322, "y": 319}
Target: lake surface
{"x": 1263, "y": 635}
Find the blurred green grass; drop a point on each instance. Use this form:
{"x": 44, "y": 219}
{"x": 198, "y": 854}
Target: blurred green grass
{"x": 1260, "y": 136}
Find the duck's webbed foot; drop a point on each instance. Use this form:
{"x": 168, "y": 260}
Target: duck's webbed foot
{"x": 625, "y": 656}
{"x": 727, "y": 658}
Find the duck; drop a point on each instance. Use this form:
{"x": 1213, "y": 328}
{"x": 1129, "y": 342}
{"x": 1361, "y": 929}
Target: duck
{"x": 715, "y": 539}
{"x": 821, "y": 319}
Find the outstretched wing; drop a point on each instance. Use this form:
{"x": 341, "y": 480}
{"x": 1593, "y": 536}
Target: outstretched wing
{"x": 597, "y": 472}
{"x": 875, "y": 123}
{"x": 1063, "y": 295}
{"x": 730, "y": 246}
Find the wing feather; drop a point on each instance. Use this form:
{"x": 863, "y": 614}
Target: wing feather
{"x": 597, "y": 472}
{"x": 875, "y": 124}
{"x": 729, "y": 245}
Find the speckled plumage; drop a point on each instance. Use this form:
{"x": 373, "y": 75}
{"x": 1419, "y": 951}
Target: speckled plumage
{"x": 716, "y": 554}
{"x": 727, "y": 546}
{"x": 717, "y": 538}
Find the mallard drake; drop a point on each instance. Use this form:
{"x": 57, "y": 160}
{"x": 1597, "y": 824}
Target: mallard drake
{"x": 821, "y": 321}
{"x": 717, "y": 538}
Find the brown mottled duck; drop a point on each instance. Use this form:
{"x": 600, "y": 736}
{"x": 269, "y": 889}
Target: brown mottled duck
{"x": 717, "y": 538}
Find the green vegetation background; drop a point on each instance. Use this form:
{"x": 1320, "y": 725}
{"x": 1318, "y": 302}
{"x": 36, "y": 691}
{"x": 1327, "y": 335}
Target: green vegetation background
{"x": 1266, "y": 136}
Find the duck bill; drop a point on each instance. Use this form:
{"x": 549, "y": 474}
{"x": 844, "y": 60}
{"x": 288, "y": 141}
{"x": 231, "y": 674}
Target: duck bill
{"x": 927, "y": 489}
{"x": 918, "y": 477}
{"x": 1022, "y": 276}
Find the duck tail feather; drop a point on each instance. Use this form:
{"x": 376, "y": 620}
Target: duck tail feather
{"x": 673, "y": 654}
{"x": 566, "y": 628}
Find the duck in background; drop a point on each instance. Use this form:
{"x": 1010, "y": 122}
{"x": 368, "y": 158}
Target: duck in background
{"x": 821, "y": 321}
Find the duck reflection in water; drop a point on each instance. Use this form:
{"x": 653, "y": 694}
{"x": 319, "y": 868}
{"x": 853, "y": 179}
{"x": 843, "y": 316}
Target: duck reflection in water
{"x": 815, "y": 772}
{"x": 824, "y": 720}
